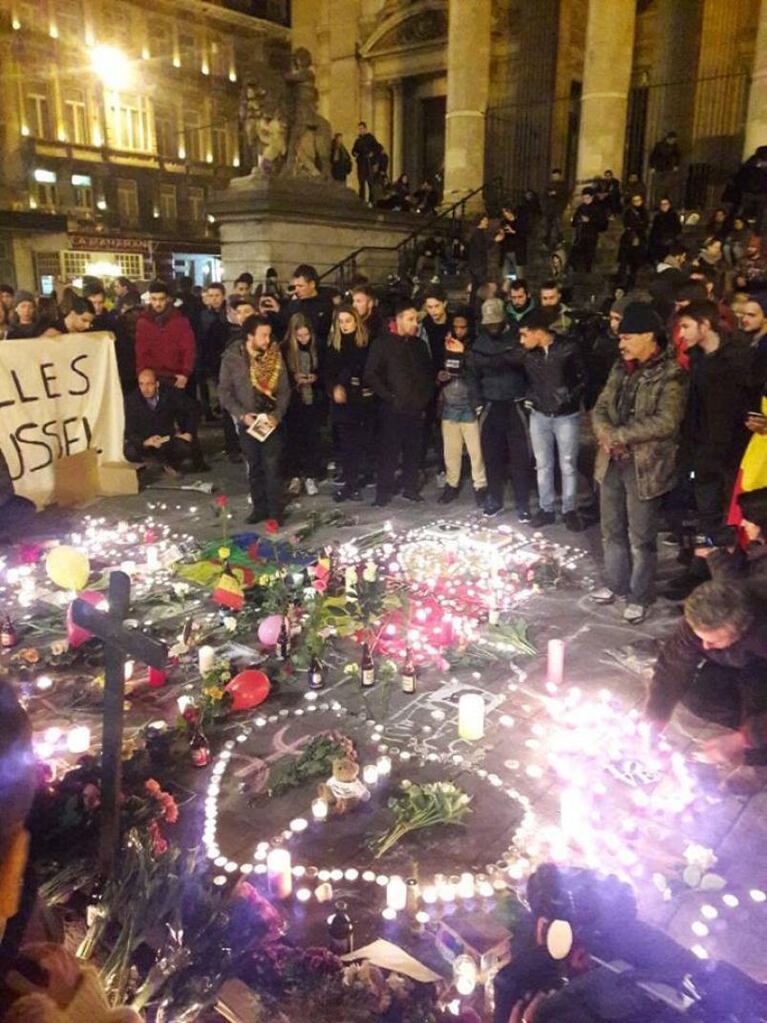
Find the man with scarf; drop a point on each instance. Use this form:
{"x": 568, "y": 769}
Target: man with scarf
{"x": 164, "y": 339}
{"x": 636, "y": 421}
{"x": 254, "y": 382}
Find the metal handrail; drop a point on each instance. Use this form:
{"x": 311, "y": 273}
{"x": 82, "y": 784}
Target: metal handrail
{"x": 352, "y": 257}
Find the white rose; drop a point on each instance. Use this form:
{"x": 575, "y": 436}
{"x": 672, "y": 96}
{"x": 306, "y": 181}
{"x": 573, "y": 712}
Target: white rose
{"x": 370, "y": 572}
{"x": 699, "y": 856}
{"x": 350, "y": 578}
{"x": 230, "y": 623}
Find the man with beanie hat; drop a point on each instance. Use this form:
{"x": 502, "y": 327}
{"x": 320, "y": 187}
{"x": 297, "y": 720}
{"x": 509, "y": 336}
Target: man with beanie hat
{"x": 25, "y": 321}
{"x": 589, "y": 220}
{"x": 500, "y": 388}
{"x": 636, "y": 420}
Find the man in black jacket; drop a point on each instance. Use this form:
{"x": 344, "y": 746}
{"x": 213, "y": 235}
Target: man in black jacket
{"x": 554, "y": 203}
{"x": 399, "y": 370}
{"x": 161, "y": 426}
{"x": 501, "y": 390}
{"x": 589, "y": 220}
{"x": 556, "y": 379}
{"x": 365, "y": 151}
{"x": 715, "y": 663}
{"x": 212, "y": 336}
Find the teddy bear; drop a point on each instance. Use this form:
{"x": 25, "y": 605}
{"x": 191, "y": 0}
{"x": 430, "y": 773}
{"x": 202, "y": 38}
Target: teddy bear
{"x": 343, "y": 790}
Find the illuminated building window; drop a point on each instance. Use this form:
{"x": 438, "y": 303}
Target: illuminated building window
{"x": 193, "y": 136}
{"x": 220, "y": 144}
{"x": 75, "y": 117}
{"x": 38, "y": 111}
{"x": 45, "y": 193}
{"x": 196, "y": 204}
{"x": 165, "y": 132}
{"x": 219, "y": 58}
{"x": 168, "y": 204}
{"x": 83, "y": 189}
{"x": 70, "y": 18}
{"x": 129, "y": 123}
{"x": 127, "y": 201}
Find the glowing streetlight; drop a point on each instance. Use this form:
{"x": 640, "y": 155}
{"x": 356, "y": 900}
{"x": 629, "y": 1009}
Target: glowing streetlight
{"x": 112, "y": 66}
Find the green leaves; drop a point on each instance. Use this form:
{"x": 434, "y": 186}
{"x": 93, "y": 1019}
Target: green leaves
{"x": 423, "y": 806}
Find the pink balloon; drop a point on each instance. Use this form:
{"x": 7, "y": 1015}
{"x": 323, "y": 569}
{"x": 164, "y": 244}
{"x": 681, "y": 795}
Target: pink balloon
{"x": 269, "y": 630}
{"x": 248, "y": 689}
{"x": 75, "y": 634}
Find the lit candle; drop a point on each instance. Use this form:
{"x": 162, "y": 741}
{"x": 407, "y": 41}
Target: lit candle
{"x": 152, "y": 558}
{"x": 556, "y": 661}
{"x": 79, "y": 739}
{"x": 384, "y": 766}
{"x": 279, "y": 875}
{"x": 465, "y": 887}
{"x": 324, "y": 892}
{"x": 447, "y": 891}
{"x": 396, "y": 893}
{"x": 429, "y": 894}
{"x": 157, "y": 677}
{"x": 129, "y": 665}
{"x": 319, "y": 809}
{"x": 206, "y": 657}
{"x": 370, "y": 774}
{"x": 464, "y": 974}
{"x": 471, "y": 717}
{"x": 298, "y": 824}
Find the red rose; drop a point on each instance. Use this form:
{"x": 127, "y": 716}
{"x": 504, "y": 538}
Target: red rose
{"x": 272, "y": 526}
{"x": 222, "y": 501}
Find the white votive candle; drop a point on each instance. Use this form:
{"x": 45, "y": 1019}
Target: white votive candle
{"x": 556, "y": 662}
{"x": 471, "y": 717}
{"x": 384, "y": 766}
{"x": 206, "y": 657}
{"x": 279, "y": 875}
{"x": 152, "y": 558}
{"x": 370, "y": 774}
{"x": 324, "y": 892}
{"x": 319, "y": 809}
{"x": 396, "y": 893}
{"x": 465, "y": 886}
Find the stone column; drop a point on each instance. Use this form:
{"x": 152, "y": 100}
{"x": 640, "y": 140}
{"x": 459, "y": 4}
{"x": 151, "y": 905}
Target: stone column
{"x": 382, "y": 116}
{"x": 756, "y": 119}
{"x": 606, "y": 79}
{"x": 397, "y": 127}
{"x": 674, "y": 71}
{"x": 366, "y": 97}
{"x": 468, "y": 82}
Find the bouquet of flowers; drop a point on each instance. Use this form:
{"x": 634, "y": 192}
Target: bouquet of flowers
{"x": 422, "y": 806}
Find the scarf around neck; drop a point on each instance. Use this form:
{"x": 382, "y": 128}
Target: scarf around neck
{"x": 265, "y": 370}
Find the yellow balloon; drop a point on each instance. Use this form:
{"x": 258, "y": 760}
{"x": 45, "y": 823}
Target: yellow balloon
{"x": 68, "y": 567}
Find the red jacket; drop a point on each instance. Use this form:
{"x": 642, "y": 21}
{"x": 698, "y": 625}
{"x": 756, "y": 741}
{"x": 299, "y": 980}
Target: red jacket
{"x": 165, "y": 343}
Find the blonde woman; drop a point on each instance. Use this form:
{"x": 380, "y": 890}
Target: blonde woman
{"x": 305, "y": 412}
{"x": 353, "y": 405}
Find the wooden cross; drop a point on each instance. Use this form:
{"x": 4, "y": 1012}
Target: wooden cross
{"x": 119, "y": 644}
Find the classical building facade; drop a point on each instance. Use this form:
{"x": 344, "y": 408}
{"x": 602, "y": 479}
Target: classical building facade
{"x": 484, "y": 89}
{"x": 116, "y": 119}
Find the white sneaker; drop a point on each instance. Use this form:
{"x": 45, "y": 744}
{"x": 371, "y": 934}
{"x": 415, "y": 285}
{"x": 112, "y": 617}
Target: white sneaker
{"x": 603, "y": 596}
{"x": 311, "y": 487}
{"x": 294, "y": 487}
{"x": 634, "y": 614}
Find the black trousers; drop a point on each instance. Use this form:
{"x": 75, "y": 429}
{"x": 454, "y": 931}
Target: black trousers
{"x": 355, "y": 429}
{"x": 264, "y": 472}
{"x": 231, "y": 438}
{"x": 400, "y": 434}
{"x": 432, "y": 436}
{"x": 583, "y": 253}
{"x": 303, "y": 424}
{"x": 363, "y": 181}
{"x": 506, "y": 450}
{"x": 174, "y": 453}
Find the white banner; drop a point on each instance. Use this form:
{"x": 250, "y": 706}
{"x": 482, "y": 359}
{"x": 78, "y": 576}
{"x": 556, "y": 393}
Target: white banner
{"x": 58, "y": 396}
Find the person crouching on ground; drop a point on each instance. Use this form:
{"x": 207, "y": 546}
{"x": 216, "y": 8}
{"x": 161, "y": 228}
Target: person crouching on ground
{"x": 255, "y": 390}
{"x": 459, "y": 400}
{"x": 161, "y": 426}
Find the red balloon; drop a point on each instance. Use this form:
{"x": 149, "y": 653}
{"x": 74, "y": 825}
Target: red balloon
{"x": 248, "y": 689}
{"x": 75, "y": 634}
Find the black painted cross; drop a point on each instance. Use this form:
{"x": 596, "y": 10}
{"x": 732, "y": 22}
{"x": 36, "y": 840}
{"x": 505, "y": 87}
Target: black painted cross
{"x": 119, "y": 644}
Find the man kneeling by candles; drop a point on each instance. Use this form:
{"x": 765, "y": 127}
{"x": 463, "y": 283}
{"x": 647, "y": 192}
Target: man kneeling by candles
{"x": 161, "y": 426}
{"x": 715, "y": 663}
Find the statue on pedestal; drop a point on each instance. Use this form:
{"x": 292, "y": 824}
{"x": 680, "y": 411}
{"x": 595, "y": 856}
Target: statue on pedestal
{"x": 283, "y": 134}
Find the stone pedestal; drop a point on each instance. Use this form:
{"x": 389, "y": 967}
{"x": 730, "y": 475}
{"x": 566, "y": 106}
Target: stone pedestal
{"x": 284, "y": 222}
{"x": 606, "y": 79}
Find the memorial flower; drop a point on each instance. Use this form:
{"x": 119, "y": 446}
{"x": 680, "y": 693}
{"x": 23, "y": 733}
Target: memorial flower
{"x": 423, "y": 806}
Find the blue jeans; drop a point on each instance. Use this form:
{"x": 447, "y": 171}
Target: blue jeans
{"x": 544, "y": 431}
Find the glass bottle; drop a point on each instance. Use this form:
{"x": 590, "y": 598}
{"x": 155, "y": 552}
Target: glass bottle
{"x": 200, "y": 748}
{"x": 8, "y": 635}
{"x": 314, "y": 677}
{"x": 408, "y": 673}
{"x": 367, "y": 668}
{"x": 283, "y": 641}
{"x": 341, "y": 930}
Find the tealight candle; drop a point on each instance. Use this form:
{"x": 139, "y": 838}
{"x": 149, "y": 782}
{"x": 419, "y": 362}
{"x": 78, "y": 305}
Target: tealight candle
{"x": 319, "y": 809}
{"x": 279, "y": 874}
{"x": 555, "y": 672}
{"x": 384, "y": 766}
{"x": 129, "y": 665}
{"x": 396, "y": 893}
{"x": 79, "y": 739}
{"x": 471, "y": 717}
{"x": 370, "y": 774}
{"x": 206, "y": 657}
{"x": 465, "y": 887}
{"x": 429, "y": 894}
{"x": 298, "y": 824}
{"x": 324, "y": 892}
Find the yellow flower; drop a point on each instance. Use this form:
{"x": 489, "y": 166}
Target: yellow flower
{"x": 223, "y": 553}
{"x": 215, "y": 693}
{"x": 263, "y": 580}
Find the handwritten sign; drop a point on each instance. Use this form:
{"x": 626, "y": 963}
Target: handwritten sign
{"x": 58, "y": 396}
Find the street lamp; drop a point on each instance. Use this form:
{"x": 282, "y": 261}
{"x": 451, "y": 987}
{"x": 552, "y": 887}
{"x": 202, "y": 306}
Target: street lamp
{"x": 111, "y": 66}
